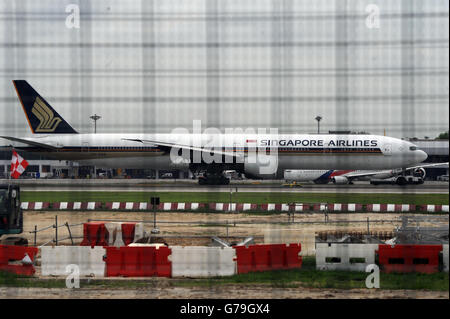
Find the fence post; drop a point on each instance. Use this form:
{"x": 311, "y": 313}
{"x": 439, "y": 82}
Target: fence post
{"x": 70, "y": 233}
{"x": 56, "y": 230}
{"x": 35, "y": 235}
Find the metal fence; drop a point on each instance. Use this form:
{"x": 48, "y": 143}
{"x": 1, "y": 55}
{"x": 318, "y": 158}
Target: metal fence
{"x": 55, "y": 227}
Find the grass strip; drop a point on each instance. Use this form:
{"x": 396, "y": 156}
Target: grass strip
{"x": 307, "y": 277}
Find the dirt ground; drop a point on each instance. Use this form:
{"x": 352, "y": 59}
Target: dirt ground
{"x": 196, "y": 224}
{"x": 222, "y": 292}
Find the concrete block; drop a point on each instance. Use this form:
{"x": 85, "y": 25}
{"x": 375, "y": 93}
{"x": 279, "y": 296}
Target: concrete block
{"x": 344, "y": 256}
{"x": 195, "y": 261}
{"x": 54, "y": 260}
{"x": 115, "y": 234}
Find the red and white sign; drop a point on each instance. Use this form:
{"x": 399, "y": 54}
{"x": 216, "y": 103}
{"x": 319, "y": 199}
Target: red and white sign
{"x": 18, "y": 165}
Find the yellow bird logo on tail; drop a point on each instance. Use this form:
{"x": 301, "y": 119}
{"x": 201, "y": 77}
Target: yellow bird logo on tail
{"x": 48, "y": 121}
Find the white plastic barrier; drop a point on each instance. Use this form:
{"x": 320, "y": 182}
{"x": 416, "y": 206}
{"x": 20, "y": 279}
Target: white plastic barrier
{"x": 196, "y": 261}
{"x": 291, "y": 236}
{"x": 339, "y": 256}
{"x": 445, "y": 255}
{"x": 54, "y": 260}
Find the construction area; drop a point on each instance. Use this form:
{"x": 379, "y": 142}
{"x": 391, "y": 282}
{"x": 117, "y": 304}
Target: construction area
{"x": 166, "y": 247}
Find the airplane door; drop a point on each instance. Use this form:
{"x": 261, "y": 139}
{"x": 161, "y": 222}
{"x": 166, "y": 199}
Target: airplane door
{"x": 85, "y": 147}
{"x": 387, "y": 149}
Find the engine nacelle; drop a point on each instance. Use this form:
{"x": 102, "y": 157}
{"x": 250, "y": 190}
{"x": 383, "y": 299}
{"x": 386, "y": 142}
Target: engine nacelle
{"x": 420, "y": 172}
{"x": 340, "y": 180}
{"x": 261, "y": 166}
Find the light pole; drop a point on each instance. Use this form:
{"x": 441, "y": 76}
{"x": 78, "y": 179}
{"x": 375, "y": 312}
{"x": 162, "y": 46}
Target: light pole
{"x": 95, "y": 118}
{"x": 318, "y": 118}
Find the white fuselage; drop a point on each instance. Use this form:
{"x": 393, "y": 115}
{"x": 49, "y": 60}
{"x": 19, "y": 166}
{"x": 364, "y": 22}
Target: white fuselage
{"x": 293, "y": 151}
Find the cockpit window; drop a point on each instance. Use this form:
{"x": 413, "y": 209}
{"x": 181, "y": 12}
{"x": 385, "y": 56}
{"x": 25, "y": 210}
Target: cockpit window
{"x": 413, "y": 148}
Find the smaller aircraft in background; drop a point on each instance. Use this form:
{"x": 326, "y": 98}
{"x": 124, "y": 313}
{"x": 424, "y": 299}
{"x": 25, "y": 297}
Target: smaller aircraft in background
{"x": 395, "y": 176}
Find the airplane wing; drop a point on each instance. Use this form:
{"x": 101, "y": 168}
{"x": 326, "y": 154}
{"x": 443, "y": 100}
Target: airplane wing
{"x": 394, "y": 171}
{"x": 185, "y": 147}
{"x": 427, "y": 165}
{"x": 32, "y": 143}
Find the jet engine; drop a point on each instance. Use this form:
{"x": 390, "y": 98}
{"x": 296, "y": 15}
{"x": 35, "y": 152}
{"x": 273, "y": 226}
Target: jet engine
{"x": 340, "y": 180}
{"x": 419, "y": 172}
{"x": 261, "y": 167}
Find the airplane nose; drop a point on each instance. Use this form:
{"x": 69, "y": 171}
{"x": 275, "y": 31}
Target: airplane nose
{"x": 422, "y": 155}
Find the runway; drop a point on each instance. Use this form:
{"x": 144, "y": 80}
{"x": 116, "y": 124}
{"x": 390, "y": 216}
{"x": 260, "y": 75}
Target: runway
{"x": 148, "y": 186}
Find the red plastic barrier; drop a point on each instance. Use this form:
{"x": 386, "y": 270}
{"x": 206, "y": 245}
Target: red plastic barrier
{"x": 95, "y": 234}
{"x": 267, "y": 257}
{"x": 138, "y": 261}
{"x": 14, "y": 254}
{"x": 128, "y": 232}
{"x": 409, "y": 258}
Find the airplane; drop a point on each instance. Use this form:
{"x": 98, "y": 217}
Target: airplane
{"x": 258, "y": 156}
{"x": 396, "y": 176}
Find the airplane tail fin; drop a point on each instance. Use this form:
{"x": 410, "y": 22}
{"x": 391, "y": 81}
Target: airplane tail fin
{"x": 42, "y": 118}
